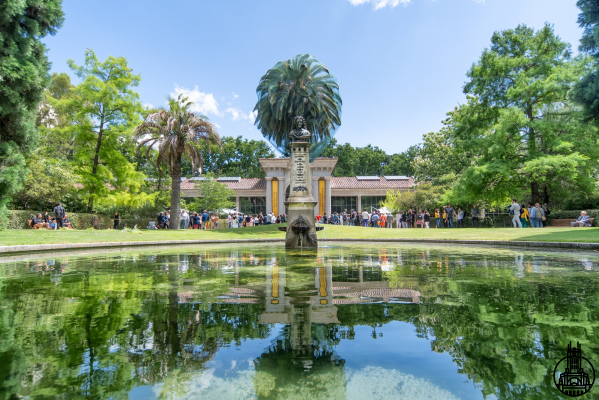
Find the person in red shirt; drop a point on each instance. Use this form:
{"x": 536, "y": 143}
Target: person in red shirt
{"x": 318, "y": 217}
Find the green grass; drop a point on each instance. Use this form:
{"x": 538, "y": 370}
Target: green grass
{"x": 22, "y": 237}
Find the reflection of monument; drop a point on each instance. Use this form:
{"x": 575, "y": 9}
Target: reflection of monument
{"x": 301, "y": 228}
{"x": 574, "y": 381}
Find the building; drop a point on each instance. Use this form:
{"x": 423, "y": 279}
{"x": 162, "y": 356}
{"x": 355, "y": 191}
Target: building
{"x": 333, "y": 194}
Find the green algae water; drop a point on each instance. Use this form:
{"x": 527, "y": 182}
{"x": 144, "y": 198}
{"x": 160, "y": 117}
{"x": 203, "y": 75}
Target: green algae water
{"x": 352, "y": 321}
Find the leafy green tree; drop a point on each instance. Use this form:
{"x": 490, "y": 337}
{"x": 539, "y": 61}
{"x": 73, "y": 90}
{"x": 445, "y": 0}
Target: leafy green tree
{"x": 441, "y": 159}
{"x": 426, "y": 197}
{"x": 24, "y": 75}
{"x": 238, "y": 157}
{"x": 215, "y": 196}
{"x": 104, "y": 109}
{"x": 177, "y": 132}
{"x": 298, "y": 86}
{"x": 586, "y": 92}
{"x": 356, "y": 161}
{"x": 518, "y": 119}
{"x": 402, "y": 163}
{"x": 49, "y": 181}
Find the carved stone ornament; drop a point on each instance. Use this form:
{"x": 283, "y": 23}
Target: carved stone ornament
{"x": 300, "y": 131}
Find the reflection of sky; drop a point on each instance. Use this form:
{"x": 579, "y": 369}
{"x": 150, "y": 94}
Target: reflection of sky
{"x": 395, "y": 365}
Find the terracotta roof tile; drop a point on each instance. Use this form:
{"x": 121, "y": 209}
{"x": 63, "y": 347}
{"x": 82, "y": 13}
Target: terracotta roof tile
{"x": 381, "y": 183}
{"x": 243, "y": 184}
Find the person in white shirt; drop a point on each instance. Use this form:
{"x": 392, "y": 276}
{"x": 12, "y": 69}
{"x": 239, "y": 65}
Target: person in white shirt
{"x": 365, "y": 218}
{"x": 184, "y": 219}
{"x": 515, "y": 207}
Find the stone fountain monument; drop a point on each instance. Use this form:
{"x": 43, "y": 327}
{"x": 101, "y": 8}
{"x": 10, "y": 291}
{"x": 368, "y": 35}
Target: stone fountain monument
{"x": 301, "y": 228}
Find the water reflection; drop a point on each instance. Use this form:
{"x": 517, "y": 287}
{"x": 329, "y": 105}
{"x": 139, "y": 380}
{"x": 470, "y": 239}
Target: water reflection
{"x": 255, "y": 322}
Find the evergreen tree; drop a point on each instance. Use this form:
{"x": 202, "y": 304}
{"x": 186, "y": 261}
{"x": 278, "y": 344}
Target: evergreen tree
{"x": 23, "y": 76}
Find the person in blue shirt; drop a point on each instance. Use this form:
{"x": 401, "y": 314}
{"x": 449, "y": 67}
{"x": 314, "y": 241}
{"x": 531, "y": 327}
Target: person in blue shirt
{"x": 536, "y": 216}
{"x": 205, "y": 219}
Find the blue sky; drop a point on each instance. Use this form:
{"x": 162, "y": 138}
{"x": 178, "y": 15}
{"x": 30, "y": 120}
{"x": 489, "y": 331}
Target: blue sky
{"x": 400, "y": 64}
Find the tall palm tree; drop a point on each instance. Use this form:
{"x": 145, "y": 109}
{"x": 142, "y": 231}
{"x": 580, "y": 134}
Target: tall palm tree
{"x": 178, "y": 132}
{"x": 298, "y": 86}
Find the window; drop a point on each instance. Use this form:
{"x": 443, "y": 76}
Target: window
{"x": 372, "y": 202}
{"x": 338, "y": 204}
{"x": 253, "y": 205}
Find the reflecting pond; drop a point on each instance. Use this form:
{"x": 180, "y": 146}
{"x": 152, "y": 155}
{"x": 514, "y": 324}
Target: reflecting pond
{"x": 351, "y": 321}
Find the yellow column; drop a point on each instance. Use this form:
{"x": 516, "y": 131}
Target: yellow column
{"x": 275, "y": 197}
{"x": 321, "y": 197}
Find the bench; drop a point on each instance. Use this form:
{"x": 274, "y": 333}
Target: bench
{"x": 565, "y": 223}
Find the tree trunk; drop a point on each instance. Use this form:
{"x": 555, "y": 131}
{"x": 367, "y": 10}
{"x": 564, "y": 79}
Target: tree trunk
{"x": 90, "y": 204}
{"x": 534, "y": 191}
{"x": 176, "y": 193}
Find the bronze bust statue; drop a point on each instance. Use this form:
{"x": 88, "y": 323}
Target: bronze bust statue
{"x": 299, "y": 132}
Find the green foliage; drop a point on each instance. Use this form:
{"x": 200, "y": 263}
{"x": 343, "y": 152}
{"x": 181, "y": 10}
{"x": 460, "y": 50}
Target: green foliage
{"x": 216, "y": 196}
{"x": 524, "y": 136}
{"x": 23, "y": 74}
{"x": 298, "y": 86}
{"x": 104, "y": 110}
{"x": 425, "y": 197}
{"x": 586, "y": 92}
{"x": 440, "y": 159}
{"x": 237, "y": 157}
{"x": 48, "y": 182}
{"x": 369, "y": 160}
{"x": 177, "y": 132}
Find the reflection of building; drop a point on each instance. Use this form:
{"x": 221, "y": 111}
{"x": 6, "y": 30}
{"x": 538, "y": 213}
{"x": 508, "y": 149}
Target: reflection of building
{"x": 334, "y": 194}
{"x": 574, "y": 381}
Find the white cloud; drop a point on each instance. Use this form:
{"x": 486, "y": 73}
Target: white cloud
{"x": 235, "y": 95}
{"x": 237, "y": 114}
{"x": 204, "y": 103}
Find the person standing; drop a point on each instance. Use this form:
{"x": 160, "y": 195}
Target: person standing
{"x": 204, "y": 219}
{"x": 445, "y": 218}
{"x": 536, "y": 216}
{"x": 524, "y": 217}
{"x": 515, "y": 208}
{"x": 450, "y": 214}
{"x": 460, "y": 217}
{"x": 427, "y": 219}
{"x": 59, "y": 213}
{"x": 438, "y": 218}
{"x": 365, "y": 219}
{"x": 117, "y": 220}
{"x": 474, "y": 212}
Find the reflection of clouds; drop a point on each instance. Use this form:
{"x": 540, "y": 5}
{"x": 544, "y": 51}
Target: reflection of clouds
{"x": 366, "y": 383}
{"x": 380, "y": 383}
{"x": 587, "y": 264}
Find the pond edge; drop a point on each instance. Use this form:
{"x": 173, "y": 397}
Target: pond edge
{"x": 93, "y": 245}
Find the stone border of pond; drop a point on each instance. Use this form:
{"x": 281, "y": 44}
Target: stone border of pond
{"x": 68, "y": 246}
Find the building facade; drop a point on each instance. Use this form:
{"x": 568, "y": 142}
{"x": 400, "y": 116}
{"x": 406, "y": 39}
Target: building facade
{"x": 333, "y": 194}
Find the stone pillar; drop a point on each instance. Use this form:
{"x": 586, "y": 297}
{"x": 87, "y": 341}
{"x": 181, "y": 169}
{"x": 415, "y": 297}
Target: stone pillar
{"x": 328, "y": 195}
{"x": 268, "y": 194}
{"x": 315, "y": 193}
{"x": 238, "y": 203}
{"x": 359, "y": 204}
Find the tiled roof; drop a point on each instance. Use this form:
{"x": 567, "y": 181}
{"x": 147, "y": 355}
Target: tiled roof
{"x": 243, "y": 184}
{"x": 381, "y": 183}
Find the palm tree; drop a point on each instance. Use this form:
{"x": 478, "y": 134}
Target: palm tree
{"x": 298, "y": 86}
{"x": 178, "y": 132}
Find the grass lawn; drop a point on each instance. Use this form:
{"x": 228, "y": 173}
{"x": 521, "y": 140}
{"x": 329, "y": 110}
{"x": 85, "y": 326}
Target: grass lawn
{"x": 21, "y": 237}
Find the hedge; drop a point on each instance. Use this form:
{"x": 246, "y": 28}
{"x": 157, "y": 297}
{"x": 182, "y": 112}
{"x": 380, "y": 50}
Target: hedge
{"x": 17, "y": 219}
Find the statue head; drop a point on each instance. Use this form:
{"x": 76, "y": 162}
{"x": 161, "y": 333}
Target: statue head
{"x": 299, "y": 122}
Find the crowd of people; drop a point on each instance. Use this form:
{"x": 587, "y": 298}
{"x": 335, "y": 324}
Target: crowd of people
{"x": 47, "y": 221}
{"x": 212, "y": 220}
